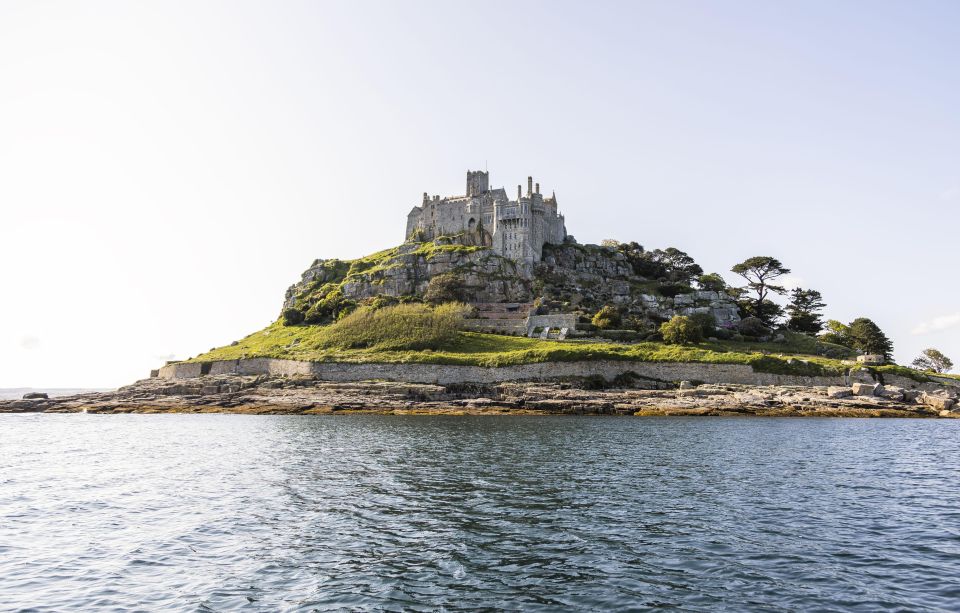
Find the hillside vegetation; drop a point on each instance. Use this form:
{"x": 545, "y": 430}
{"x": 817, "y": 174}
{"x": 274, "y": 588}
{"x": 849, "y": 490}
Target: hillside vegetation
{"x": 418, "y": 333}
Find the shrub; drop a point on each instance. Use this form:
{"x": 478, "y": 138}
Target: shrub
{"x": 723, "y": 334}
{"x": 445, "y": 287}
{"x": 606, "y": 318}
{"x": 751, "y": 326}
{"x": 681, "y": 330}
{"x": 395, "y": 328}
{"x": 330, "y": 308}
{"x": 292, "y": 316}
{"x": 706, "y": 321}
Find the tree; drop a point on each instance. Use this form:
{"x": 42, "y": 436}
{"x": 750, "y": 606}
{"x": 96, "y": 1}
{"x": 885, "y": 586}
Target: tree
{"x": 837, "y": 333}
{"x": 610, "y": 242}
{"x": 932, "y": 359}
{"x": 681, "y": 330}
{"x": 760, "y": 272}
{"x": 803, "y": 309}
{"x": 712, "y": 282}
{"x": 606, "y": 318}
{"x": 671, "y": 264}
{"x": 867, "y": 337}
{"x": 680, "y": 267}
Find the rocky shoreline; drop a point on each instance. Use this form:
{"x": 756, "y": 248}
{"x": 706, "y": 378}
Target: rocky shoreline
{"x": 264, "y": 394}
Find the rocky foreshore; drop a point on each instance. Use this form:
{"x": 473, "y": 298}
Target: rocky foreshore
{"x": 304, "y": 395}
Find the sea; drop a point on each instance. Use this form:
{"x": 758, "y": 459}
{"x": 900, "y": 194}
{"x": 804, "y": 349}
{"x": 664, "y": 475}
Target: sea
{"x": 514, "y": 513}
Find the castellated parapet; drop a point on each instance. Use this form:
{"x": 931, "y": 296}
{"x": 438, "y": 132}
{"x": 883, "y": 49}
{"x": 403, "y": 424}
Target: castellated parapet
{"x": 516, "y": 229}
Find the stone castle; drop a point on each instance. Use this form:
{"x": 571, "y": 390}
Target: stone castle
{"x": 515, "y": 229}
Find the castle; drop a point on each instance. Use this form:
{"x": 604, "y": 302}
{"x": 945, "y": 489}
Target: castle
{"x": 515, "y": 229}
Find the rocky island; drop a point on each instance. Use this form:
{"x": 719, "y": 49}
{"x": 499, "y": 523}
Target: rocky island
{"x": 489, "y": 306}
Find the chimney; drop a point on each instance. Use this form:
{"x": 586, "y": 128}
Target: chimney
{"x": 519, "y": 192}
{"x": 529, "y": 186}
{"x": 537, "y": 191}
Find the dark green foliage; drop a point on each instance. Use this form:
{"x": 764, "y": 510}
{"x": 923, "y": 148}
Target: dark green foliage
{"x": 671, "y": 290}
{"x": 607, "y": 318}
{"x": 867, "y": 337}
{"x": 804, "y": 311}
{"x": 329, "y": 308}
{"x": 706, "y": 321}
{"x": 753, "y": 327}
{"x": 712, "y": 282}
{"x": 445, "y": 287}
{"x": 681, "y": 330}
{"x": 670, "y": 264}
{"x": 760, "y": 272}
{"x": 292, "y": 317}
{"x": 934, "y": 360}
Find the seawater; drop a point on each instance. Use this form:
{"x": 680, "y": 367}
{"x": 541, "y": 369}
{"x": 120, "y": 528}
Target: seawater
{"x": 303, "y": 513}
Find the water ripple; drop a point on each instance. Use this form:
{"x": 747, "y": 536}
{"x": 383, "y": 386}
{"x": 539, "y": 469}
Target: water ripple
{"x": 295, "y": 513}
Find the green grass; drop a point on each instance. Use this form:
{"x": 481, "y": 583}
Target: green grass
{"x": 310, "y": 343}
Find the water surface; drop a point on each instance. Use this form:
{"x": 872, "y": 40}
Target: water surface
{"x": 271, "y": 513}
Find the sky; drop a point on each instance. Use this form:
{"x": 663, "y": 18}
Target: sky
{"x": 168, "y": 169}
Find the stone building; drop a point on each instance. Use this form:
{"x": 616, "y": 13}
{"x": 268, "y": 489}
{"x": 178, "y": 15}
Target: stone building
{"x": 516, "y": 229}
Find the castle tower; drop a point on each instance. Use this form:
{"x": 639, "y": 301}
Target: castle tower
{"x": 478, "y": 182}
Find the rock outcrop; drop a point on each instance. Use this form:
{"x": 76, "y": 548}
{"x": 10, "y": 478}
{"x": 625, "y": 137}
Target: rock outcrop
{"x": 570, "y": 278}
{"x": 644, "y": 397}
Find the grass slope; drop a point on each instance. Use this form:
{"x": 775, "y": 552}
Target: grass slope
{"x": 310, "y": 343}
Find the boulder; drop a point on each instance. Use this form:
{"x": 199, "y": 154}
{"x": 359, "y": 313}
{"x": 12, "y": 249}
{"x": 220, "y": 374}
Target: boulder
{"x": 839, "y": 392}
{"x": 941, "y": 403}
{"x": 891, "y": 393}
{"x": 865, "y": 389}
{"x": 35, "y": 396}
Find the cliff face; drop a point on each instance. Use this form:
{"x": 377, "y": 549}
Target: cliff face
{"x": 589, "y": 277}
{"x": 570, "y": 278}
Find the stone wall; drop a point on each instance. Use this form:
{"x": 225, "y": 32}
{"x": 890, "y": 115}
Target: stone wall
{"x": 554, "y": 320}
{"x": 449, "y": 374}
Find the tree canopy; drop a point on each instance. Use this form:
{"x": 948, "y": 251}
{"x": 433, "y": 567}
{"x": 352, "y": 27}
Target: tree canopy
{"x": 867, "y": 337}
{"x": 933, "y": 360}
{"x": 760, "y": 272}
{"x": 804, "y": 311}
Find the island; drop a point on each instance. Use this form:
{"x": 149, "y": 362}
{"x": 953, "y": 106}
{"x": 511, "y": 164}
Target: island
{"x": 489, "y": 306}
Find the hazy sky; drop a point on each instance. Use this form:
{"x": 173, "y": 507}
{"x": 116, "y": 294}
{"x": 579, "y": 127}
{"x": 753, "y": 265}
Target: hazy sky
{"x": 167, "y": 169}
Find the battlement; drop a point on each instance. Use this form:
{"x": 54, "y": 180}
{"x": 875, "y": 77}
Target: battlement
{"x": 516, "y": 229}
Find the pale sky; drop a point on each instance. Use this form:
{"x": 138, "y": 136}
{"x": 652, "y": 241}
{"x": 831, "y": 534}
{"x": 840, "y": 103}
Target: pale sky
{"x": 168, "y": 169}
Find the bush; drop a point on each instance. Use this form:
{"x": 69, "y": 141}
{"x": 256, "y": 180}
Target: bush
{"x": 396, "y": 328}
{"x": 751, "y": 326}
{"x": 681, "y": 330}
{"x": 606, "y": 318}
{"x": 292, "y": 317}
{"x": 723, "y": 334}
{"x": 706, "y": 321}
{"x": 445, "y": 287}
{"x": 330, "y": 308}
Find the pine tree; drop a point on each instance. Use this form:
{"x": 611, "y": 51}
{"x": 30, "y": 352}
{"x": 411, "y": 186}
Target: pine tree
{"x": 803, "y": 310}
